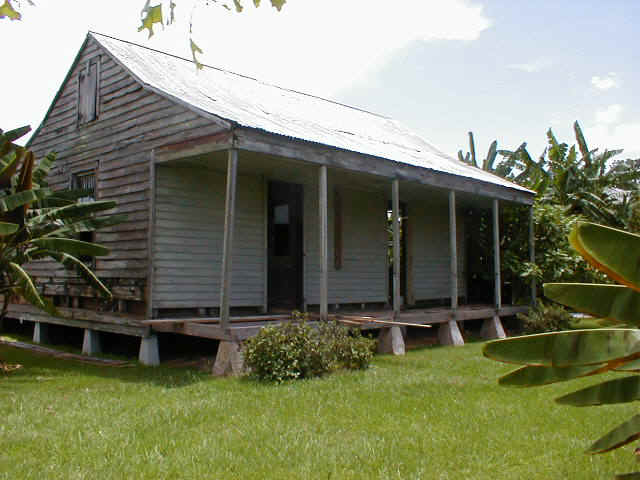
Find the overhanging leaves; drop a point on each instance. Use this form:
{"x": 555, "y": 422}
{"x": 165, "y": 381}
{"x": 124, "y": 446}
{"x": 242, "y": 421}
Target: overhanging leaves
{"x": 531, "y": 375}
{"x": 615, "y": 252}
{"x": 151, "y": 16}
{"x": 72, "y": 263}
{"x": 613, "y": 302}
{"x": 71, "y": 246}
{"x": 11, "y": 202}
{"x": 564, "y": 349}
{"x": 619, "y": 390}
{"x": 28, "y": 290}
{"x": 8, "y": 228}
{"x": 618, "y": 437}
{"x": 7, "y": 10}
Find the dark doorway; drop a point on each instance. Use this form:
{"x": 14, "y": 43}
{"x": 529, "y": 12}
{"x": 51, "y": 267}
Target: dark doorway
{"x": 285, "y": 245}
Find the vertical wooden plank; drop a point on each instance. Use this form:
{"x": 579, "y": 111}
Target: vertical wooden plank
{"x": 496, "y": 253}
{"x": 407, "y": 231}
{"x": 337, "y": 230}
{"x": 453, "y": 250}
{"x": 227, "y": 246}
{"x": 532, "y": 253}
{"x": 324, "y": 242}
{"x": 150, "y": 234}
{"x": 395, "y": 219}
{"x": 265, "y": 196}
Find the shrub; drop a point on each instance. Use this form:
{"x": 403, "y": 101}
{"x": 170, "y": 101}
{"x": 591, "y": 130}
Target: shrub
{"x": 545, "y": 318}
{"x": 296, "y": 349}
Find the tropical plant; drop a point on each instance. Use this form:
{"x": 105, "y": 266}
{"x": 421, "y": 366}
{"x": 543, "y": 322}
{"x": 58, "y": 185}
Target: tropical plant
{"x": 37, "y": 223}
{"x": 562, "y": 356}
{"x": 502, "y": 169}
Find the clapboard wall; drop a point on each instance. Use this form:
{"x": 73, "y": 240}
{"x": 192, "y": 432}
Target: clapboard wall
{"x": 118, "y": 145}
{"x": 188, "y": 238}
{"x": 430, "y": 251}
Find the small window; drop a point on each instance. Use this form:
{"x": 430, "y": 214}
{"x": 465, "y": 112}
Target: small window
{"x": 85, "y": 181}
{"x": 88, "y": 92}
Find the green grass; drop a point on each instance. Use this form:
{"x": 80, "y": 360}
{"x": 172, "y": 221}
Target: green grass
{"x": 436, "y": 413}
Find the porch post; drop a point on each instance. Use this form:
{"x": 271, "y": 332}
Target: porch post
{"x": 227, "y": 246}
{"x": 492, "y": 328}
{"x": 395, "y": 219}
{"x": 532, "y": 253}
{"x": 324, "y": 242}
{"x": 453, "y": 250}
{"x": 449, "y": 332}
{"x": 391, "y": 339}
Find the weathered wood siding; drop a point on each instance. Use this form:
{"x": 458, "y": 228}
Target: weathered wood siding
{"x": 189, "y": 227}
{"x": 131, "y": 123}
{"x": 362, "y": 278}
{"x": 430, "y": 249}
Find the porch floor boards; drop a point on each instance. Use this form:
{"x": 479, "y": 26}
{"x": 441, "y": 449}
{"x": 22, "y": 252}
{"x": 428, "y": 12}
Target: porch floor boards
{"x": 243, "y": 327}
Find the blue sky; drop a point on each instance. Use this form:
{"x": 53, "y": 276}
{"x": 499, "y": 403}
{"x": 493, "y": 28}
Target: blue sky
{"x": 507, "y": 70}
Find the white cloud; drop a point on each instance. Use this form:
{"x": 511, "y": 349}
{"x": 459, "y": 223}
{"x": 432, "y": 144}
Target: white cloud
{"x": 605, "y": 83}
{"x": 624, "y": 135}
{"x": 533, "y": 66}
{"x": 609, "y": 115}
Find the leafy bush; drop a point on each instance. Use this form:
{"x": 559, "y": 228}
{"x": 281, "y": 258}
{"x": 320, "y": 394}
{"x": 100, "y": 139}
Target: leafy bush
{"x": 545, "y": 318}
{"x": 296, "y": 349}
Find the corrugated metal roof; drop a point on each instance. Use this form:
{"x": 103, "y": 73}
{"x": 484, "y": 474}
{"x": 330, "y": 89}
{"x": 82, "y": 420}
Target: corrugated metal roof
{"x": 255, "y": 104}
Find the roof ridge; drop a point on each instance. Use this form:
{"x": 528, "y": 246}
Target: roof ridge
{"x": 245, "y": 76}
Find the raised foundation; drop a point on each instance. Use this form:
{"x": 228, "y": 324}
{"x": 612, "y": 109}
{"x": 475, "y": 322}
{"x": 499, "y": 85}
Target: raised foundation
{"x": 149, "y": 352}
{"x": 40, "y": 333}
{"x": 229, "y": 360}
{"x": 91, "y": 343}
{"x": 449, "y": 333}
{"x": 492, "y": 328}
{"x": 391, "y": 341}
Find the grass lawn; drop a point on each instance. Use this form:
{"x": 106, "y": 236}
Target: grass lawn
{"x": 436, "y": 413}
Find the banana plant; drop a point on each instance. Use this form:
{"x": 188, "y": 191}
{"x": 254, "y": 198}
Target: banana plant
{"x": 561, "y": 356}
{"x": 37, "y": 223}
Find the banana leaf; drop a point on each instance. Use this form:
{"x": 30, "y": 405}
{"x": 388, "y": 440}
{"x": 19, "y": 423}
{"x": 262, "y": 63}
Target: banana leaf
{"x": 619, "y": 390}
{"x": 612, "y": 302}
{"x": 615, "y": 252}
{"x": 571, "y": 348}
{"x": 72, "y": 263}
{"x": 73, "y": 210}
{"x": 623, "y": 434}
{"x": 71, "y": 246}
{"x": 628, "y": 476}
{"x": 16, "y": 133}
{"x": 88, "y": 225}
{"x": 11, "y": 202}
{"x": 631, "y": 366}
{"x": 533, "y": 375}
{"x": 28, "y": 290}
{"x": 8, "y": 228}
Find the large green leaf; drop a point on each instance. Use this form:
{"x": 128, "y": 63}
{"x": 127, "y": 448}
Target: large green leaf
{"x": 533, "y": 375}
{"x": 564, "y": 349}
{"x": 8, "y": 228}
{"x": 27, "y": 289}
{"x": 16, "y": 133}
{"x": 613, "y": 302}
{"x": 88, "y": 225}
{"x": 72, "y": 263}
{"x": 76, "y": 210}
{"x": 615, "y": 252}
{"x": 618, "y": 437}
{"x": 11, "y": 202}
{"x": 628, "y": 476}
{"x": 619, "y": 390}
{"x": 71, "y": 246}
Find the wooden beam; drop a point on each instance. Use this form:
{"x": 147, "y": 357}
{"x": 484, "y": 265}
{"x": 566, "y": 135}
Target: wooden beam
{"x": 324, "y": 242}
{"x": 532, "y": 253}
{"x": 453, "y": 250}
{"x": 199, "y": 146}
{"x": 150, "y": 234}
{"x": 265, "y": 251}
{"x": 496, "y": 254}
{"x": 227, "y": 246}
{"x": 257, "y": 141}
{"x": 395, "y": 220}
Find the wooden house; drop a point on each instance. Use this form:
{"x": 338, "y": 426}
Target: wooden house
{"x": 246, "y": 200}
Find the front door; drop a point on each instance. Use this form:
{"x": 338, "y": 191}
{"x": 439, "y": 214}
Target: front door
{"x": 285, "y": 245}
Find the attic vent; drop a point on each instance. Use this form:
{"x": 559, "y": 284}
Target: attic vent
{"x": 88, "y": 92}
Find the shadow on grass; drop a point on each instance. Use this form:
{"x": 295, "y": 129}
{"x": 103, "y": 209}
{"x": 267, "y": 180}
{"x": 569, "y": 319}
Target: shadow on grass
{"x": 37, "y": 368}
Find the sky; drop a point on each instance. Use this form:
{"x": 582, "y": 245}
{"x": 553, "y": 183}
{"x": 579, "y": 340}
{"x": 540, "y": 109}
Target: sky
{"x": 508, "y": 70}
